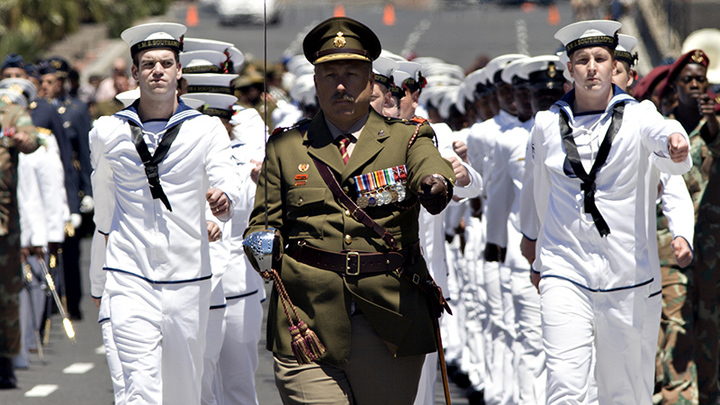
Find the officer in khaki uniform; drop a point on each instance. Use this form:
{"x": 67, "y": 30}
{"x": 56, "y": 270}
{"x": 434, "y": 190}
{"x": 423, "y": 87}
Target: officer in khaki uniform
{"x": 343, "y": 279}
{"x": 17, "y": 135}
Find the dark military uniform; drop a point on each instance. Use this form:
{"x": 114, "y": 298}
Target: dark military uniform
{"x": 11, "y": 116}
{"x": 77, "y": 124}
{"x": 45, "y": 117}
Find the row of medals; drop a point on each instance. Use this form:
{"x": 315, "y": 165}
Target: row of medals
{"x": 384, "y": 194}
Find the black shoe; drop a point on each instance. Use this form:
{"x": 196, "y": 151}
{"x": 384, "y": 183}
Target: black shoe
{"x": 475, "y": 397}
{"x": 7, "y": 374}
{"x": 461, "y": 379}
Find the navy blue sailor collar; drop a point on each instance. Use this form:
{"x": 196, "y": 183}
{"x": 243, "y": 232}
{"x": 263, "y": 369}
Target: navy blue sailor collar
{"x": 567, "y": 102}
{"x": 182, "y": 113}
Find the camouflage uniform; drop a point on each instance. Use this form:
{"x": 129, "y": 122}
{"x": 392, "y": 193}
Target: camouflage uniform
{"x": 675, "y": 371}
{"x": 10, "y": 267}
{"x": 704, "y": 185}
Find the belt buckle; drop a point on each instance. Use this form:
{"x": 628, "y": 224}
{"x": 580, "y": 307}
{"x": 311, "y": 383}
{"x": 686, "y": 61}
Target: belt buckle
{"x": 348, "y": 269}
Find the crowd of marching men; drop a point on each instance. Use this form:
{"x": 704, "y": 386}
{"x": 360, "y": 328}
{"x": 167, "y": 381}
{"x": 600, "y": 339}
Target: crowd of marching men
{"x": 479, "y": 250}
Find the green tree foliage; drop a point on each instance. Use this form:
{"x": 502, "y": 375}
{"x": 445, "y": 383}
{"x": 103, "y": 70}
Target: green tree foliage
{"x": 28, "y": 27}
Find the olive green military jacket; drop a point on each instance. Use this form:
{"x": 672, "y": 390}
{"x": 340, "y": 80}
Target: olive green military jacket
{"x": 306, "y": 211}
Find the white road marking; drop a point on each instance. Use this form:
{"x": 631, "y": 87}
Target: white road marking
{"x": 41, "y": 390}
{"x": 78, "y": 368}
{"x": 100, "y": 350}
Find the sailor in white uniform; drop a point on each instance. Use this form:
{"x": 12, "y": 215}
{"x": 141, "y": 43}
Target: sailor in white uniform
{"x": 498, "y": 333}
{"x": 591, "y": 152}
{"x": 157, "y": 256}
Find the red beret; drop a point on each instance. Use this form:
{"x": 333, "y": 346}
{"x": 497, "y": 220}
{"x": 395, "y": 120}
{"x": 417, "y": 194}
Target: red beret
{"x": 695, "y": 56}
{"x": 644, "y": 87}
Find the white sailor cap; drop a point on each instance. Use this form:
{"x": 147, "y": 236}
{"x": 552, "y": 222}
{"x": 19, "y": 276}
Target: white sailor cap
{"x": 543, "y": 71}
{"x": 214, "y": 104}
{"x": 624, "y": 50}
{"x": 232, "y": 54}
{"x": 443, "y": 69}
{"x": 383, "y": 67}
{"x": 393, "y": 56}
{"x": 510, "y": 73}
{"x": 210, "y": 83}
{"x": 425, "y": 61}
{"x": 449, "y": 99}
{"x": 434, "y": 81}
{"x": 299, "y": 65}
{"x": 18, "y": 91}
{"x": 206, "y": 62}
{"x": 154, "y": 35}
{"x": 194, "y": 103}
{"x": 564, "y": 60}
{"x": 494, "y": 68}
{"x": 303, "y": 90}
{"x": 432, "y": 96}
{"x": 585, "y": 34}
{"x": 128, "y": 97}
{"x": 411, "y": 76}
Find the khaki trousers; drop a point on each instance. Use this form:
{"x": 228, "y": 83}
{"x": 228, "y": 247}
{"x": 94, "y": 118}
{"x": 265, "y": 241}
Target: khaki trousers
{"x": 371, "y": 377}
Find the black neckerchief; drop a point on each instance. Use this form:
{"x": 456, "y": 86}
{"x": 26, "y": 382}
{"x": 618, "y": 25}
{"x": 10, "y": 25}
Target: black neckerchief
{"x": 588, "y": 180}
{"x": 151, "y": 162}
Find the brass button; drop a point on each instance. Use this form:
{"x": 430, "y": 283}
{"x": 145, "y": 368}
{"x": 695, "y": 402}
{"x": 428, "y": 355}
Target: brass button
{"x": 347, "y": 213}
{"x": 300, "y": 201}
{"x": 348, "y": 239}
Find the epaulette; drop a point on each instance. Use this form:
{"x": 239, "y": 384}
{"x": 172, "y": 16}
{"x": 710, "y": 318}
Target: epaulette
{"x": 298, "y": 125}
{"x": 413, "y": 121}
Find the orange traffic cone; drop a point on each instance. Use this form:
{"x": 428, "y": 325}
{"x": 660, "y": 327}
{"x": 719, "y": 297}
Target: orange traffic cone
{"x": 553, "y": 15}
{"x": 191, "y": 18}
{"x": 527, "y": 7}
{"x": 389, "y": 14}
{"x": 339, "y": 11}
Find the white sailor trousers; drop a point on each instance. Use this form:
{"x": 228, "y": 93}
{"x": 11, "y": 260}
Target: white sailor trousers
{"x": 577, "y": 322}
{"x": 159, "y": 332}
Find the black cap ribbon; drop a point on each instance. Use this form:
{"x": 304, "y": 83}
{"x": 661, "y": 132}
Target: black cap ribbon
{"x": 588, "y": 180}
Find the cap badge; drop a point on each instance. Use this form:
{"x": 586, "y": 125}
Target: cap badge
{"x": 340, "y": 40}
{"x": 698, "y": 57}
{"x": 552, "y": 71}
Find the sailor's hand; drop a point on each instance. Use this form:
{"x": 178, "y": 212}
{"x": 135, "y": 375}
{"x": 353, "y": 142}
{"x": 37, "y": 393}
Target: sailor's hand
{"x": 682, "y": 251}
{"x": 462, "y": 177}
{"x": 213, "y": 230}
{"x": 678, "y": 147}
{"x": 219, "y": 202}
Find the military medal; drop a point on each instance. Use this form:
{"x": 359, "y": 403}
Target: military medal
{"x": 362, "y": 201}
{"x": 372, "y": 201}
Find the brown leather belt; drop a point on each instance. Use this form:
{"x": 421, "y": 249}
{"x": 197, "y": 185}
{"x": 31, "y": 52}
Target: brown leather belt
{"x": 352, "y": 263}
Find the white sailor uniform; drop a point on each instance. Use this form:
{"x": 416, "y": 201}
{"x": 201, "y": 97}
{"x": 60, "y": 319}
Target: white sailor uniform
{"x": 594, "y": 289}
{"x": 157, "y": 260}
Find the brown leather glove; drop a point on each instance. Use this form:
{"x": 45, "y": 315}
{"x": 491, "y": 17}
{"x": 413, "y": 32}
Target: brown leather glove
{"x": 435, "y": 193}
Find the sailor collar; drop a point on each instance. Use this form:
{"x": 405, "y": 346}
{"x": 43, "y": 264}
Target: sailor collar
{"x": 568, "y": 101}
{"x": 182, "y": 113}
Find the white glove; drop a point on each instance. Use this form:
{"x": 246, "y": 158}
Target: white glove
{"x": 87, "y": 204}
{"x": 76, "y": 220}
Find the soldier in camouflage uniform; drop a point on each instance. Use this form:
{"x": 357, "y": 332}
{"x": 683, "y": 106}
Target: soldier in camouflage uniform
{"x": 18, "y": 135}
{"x": 700, "y": 322}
